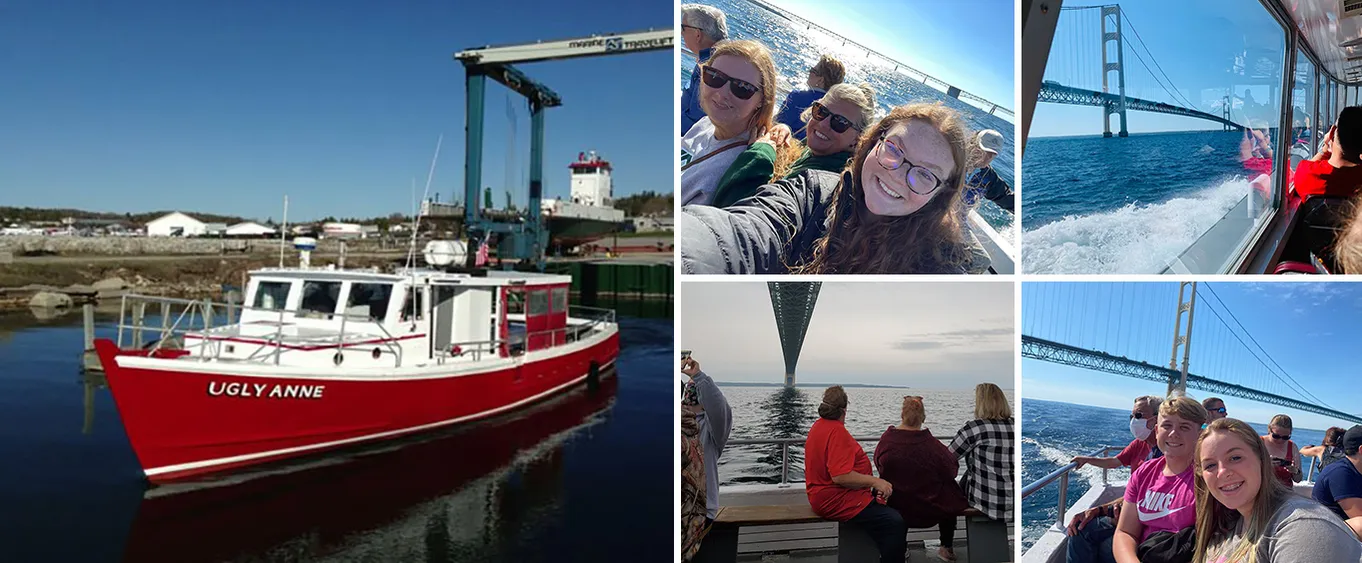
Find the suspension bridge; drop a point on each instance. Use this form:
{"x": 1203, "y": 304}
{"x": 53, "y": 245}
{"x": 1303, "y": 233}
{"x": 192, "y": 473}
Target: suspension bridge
{"x": 1087, "y": 67}
{"x": 793, "y": 304}
{"x": 1123, "y": 329}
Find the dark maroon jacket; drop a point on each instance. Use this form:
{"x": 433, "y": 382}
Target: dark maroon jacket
{"x": 922, "y": 472}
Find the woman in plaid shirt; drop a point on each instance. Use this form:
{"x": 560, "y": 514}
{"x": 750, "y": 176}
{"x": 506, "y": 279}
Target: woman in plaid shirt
{"x": 986, "y": 445}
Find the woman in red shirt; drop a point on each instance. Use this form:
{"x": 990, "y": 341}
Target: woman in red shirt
{"x": 841, "y": 485}
{"x": 923, "y": 472}
{"x": 1334, "y": 170}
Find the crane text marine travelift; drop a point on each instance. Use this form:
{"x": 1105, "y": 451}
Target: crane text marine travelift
{"x": 323, "y": 358}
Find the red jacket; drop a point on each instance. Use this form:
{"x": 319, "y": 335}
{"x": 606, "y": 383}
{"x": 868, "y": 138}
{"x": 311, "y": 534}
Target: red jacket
{"x": 922, "y": 471}
{"x": 1318, "y": 177}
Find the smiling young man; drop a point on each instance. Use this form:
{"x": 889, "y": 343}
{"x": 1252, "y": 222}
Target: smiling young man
{"x": 1161, "y": 494}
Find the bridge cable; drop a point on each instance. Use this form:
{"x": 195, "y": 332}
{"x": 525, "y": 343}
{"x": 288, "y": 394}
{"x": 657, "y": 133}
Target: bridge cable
{"x": 1126, "y": 16}
{"x": 1283, "y": 377}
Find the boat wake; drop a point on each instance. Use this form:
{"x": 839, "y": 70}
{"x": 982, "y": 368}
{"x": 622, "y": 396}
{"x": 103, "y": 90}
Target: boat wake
{"x": 1136, "y": 238}
{"x": 1040, "y": 512}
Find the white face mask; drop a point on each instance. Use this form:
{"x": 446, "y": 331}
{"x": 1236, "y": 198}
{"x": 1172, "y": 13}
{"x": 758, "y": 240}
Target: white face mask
{"x": 1139, "y": 429}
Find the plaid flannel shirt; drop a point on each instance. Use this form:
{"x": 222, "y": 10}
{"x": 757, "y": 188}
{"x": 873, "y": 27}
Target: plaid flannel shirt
{"x": 987, "y": 447}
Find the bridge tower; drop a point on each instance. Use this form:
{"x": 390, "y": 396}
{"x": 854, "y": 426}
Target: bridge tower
{"x": 1186, "y": 304}
{"x": 793, "y": 304}
{"x": 1225, "y": 113}
{"x": 1119, "y": 66}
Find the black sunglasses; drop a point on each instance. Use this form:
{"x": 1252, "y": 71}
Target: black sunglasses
{"x": 716, "y": 79}
{"x": 840, "y": 124}
{"x": 1280, "y": 437}
{"x": 1220, "y": 410}
{"x": 1137, "y": 415}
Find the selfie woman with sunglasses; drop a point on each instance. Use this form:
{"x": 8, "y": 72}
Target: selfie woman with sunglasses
{"x": 835, "y": 123}
{"x": 892, "y": 211}
{"x": 737, "y": 90}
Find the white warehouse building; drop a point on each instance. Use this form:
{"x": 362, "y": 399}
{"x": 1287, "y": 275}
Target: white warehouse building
{"x": 176, "y": 224}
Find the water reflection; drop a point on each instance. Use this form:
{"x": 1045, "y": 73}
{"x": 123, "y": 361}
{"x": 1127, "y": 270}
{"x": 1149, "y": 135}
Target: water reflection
{"x": 481, "y": 493}
{"x": 786, "y": 413}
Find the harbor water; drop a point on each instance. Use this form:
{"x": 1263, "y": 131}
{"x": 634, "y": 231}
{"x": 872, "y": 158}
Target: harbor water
{"x": 795, "y": 49}
{"x": 1054, "y": 433}
{"x": 586, "y": 476}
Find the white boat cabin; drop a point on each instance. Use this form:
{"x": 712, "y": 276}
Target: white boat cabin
{"x": 359, "y": 319}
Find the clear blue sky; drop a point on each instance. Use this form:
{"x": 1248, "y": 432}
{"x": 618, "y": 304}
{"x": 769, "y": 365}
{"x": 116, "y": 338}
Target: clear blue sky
{"x": 968, "y": 43}
{"x": 1310, "y": 329}
{"x": 1196, "y": 48}
{"x": 225, "y": 107}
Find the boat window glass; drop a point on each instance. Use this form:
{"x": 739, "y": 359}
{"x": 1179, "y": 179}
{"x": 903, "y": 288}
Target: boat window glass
{"x": 515, "y": 302}
{"x": 413, "y": 307}
{"x": 539, "y": 302}
{"x": 1182, "y": 176}
{"x": 320, "y": 298}
{"x": 560, "y": 299}
{"x": 1302, "y": 110}
{"x": 272, "y": 295}
{"x": 369, "y": 299}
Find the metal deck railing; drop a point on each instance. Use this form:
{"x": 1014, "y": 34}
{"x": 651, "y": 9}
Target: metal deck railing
{"x": 785, "y": 444}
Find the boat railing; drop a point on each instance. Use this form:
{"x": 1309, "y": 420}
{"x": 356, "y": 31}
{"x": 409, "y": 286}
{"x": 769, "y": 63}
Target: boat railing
{"x": 1062, "y": 475}
{"x": 596, "y": 318}
{"x": 786, "y": 443}
{"x": 199, "y": 315}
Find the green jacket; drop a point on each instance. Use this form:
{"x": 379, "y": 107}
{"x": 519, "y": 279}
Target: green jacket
{"x": 755, "y": 166}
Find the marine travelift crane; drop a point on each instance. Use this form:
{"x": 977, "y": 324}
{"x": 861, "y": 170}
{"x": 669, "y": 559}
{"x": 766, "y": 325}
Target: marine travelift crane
{"x": 527, "y": 240}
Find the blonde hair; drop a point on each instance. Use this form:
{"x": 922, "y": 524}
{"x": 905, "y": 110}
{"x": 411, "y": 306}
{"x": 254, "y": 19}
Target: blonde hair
{"x": 860, "y": 95}
{"x": 1281, "y": 421}
{"x": 831, "y": 69}
{"x": 990, "y": 403}
{"x": 1185, "y": 408}
{"x": 758, "y": 56}
{"x": 1348, "y": 247}
{"x": 834, "y": 403}
{"x": 913, "y": 414}
{"x": 1214, "y": 521}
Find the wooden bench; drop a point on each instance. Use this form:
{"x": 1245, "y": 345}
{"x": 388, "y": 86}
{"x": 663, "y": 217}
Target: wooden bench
{"x": 986, "y": 539}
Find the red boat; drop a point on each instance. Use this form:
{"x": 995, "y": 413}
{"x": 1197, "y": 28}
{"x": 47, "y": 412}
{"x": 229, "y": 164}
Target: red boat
{"x": 320, "y": 359}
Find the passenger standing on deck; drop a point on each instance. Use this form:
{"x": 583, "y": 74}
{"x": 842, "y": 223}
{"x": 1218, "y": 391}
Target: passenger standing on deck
{"x": 1091, "y": 532}
{"x": 835, "y": 125}
{"x": 714, "y": 420}
{"x": 840, "y": 484}
{"x": 1244, "y": 514}
{"x": 737, "y": 89}
{"x": 922, "y": 471}
{"x": 1334, "y": 170}
{"x": 1339, "y": 486}
{"x": 828, "y": 72}
{"x": 1328, "y": 452}
{"x": 986, "y": 444}
{"x": 1286, "y": 457}
{"x": 701, "y": 27}
{"x": 894, "y": 209}
{"x": 1215, "y": 408}
{"x": 984, "y": 182}
{"x": 1160, "y": 494}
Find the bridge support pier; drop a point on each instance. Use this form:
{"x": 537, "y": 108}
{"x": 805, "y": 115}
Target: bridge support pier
{"x": 1108, "y": 37}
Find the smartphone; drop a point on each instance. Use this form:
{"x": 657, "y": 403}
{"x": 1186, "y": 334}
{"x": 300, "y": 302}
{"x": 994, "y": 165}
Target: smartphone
{"x": 685, "y": 354}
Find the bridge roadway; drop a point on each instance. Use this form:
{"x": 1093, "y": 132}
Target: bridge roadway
{"x": 1056, "y": 93}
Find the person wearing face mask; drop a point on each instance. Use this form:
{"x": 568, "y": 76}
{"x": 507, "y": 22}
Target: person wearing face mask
{"x": 1160, "y": 496}
{"x": 835, "y": 123}
{"x": 892, "y": 211}
{"x": 1286, "y": 457}
{"x": 1092, "y": 532}
{"x": 823, "y": 76}
{"x": 737, "y": 90}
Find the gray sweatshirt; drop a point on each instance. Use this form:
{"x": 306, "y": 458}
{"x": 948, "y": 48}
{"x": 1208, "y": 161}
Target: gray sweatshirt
{"x": 699, "y": 182}
{"x": 715, "y": 424}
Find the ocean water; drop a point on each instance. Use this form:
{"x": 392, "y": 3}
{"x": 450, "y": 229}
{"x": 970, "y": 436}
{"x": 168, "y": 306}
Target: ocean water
{"x": 1096, "y": 205}
{"x": 796, "y": 49}
{"x": 544, "y": 483}
{"x": 1054, "y": 433}
{"x": 777, "y": 412}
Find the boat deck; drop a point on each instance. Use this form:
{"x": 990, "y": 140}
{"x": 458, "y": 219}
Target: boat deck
{"x": 817, "y": 542}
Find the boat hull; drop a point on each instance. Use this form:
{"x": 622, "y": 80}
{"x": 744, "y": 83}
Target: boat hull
{"x": 572, "y": 231}
{"x": 186, "y": 423}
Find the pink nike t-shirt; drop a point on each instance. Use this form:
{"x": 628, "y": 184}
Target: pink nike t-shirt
{"x": 1163, "y": 503}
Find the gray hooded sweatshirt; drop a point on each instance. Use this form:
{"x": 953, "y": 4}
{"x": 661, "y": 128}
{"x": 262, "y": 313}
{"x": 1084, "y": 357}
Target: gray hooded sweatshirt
{"x": 715, "y": 424}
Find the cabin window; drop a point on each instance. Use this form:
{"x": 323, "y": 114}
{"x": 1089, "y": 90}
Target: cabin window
{"x": 271, "y": 295}
{"x": 369, "y": 299}
{"x": 515, "y": 303}
{"x": 1303, "y": 122}
{"x": 539, "y": 303}
{"x": 560, "y": 299}
{"x": 414, "y": 307}
{"x": 320, "y": 298}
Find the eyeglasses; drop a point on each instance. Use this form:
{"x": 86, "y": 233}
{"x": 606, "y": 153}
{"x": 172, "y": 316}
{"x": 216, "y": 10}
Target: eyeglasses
{"x": 840, "y": 124}
{"x": 920, "y": 180}
{"x": 716, "y": 79}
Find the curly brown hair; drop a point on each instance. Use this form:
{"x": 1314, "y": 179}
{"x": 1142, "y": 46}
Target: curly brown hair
{"x": 927, "y": 241}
